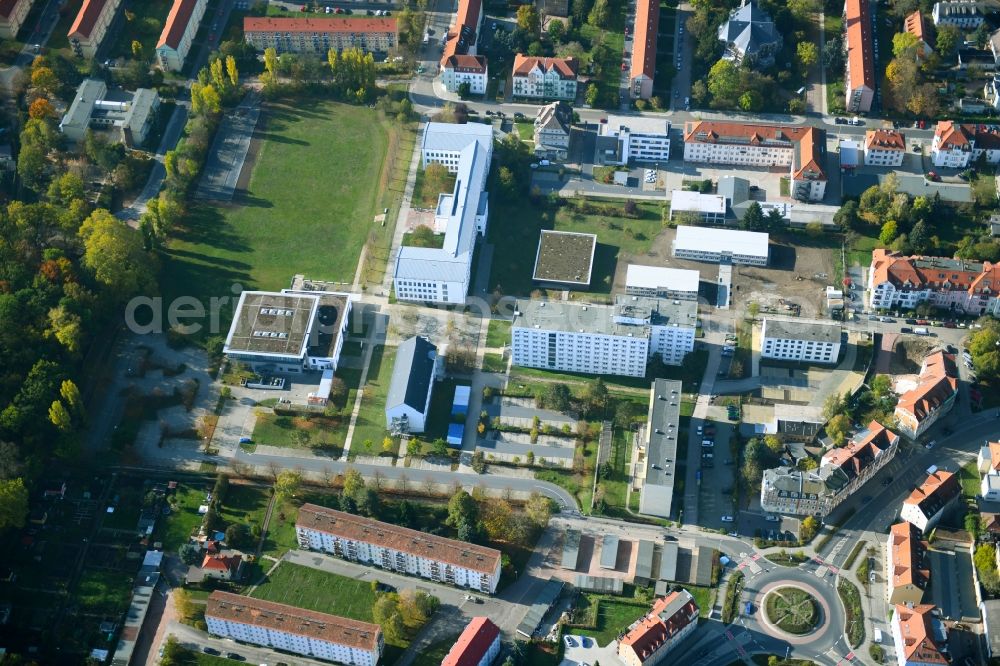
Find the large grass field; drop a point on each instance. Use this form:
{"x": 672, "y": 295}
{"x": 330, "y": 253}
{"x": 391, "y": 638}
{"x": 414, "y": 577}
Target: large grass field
{"x": 317, "y": 590}
{"x": 317, "y": 183}
{"x": 516, "y": 226}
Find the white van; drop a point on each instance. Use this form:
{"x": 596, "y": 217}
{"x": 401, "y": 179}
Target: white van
{"x": 878, "y": 635}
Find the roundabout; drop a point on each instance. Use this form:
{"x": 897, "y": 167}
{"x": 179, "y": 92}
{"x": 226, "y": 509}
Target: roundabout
{"x": 791, "y": 609}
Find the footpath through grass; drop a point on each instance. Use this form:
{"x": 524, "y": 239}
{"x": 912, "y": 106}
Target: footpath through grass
{"x": 316, "y": 184}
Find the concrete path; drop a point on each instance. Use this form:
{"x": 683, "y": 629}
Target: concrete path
{"x": 171, "y": 135}
{"x": 404, "y": 213}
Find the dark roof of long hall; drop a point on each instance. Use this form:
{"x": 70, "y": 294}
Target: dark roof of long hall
{"x": 412, "y": 374}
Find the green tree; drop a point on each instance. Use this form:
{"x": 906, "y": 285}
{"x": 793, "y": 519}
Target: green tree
{"x": 556, "y": 30}
{"x": 890, "y": 230}
{"x": 807, "y": 54}
{"x": 462, "y": 508}
{"x": 114, "y": 254}
{"x": 804, "y": 10}
{"x": 287, "y": 484}
{"x": 528, "y": 20}
{"x": 386, "y": 613}
{"x": 600, "y": 13}
{"x": 946, "y": 41}
{"x": 423, "y": 236}
{"x": 590, "y": 97}
{"x": 538, "y": 509}
{"x": 751, "y": 100}
{"x": 972, "y": 524}
{"x": 464, "y": 89}
{"x": 59, "y": 417}
{"x": 774, "y": 444}
{"x": 555, "y": 396}
{"x": 13, "y": 503}
{"x": 905, "y": 46}
{"x": 724, "y": 83}
{"x": 353, "y": 482}
{"x": 881, "y": 386}
{"x": 137, "y": 49}
{"x": 808, "y": 528}
{"x": 837, "y": 428}
{"x": 753, "y": 218}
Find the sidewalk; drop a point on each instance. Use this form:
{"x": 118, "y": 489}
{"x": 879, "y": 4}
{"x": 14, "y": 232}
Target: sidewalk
{"x": 404, "y": 213}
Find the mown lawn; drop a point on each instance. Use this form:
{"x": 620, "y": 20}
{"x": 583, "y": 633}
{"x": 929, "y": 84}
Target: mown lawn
{"x": 148, "y": 18}
{"x": 370, "y": 426}
{"x": 613, "y": 617}
{"x": 245, "y": 504}
{"x": 301, "y": 432}
{"x": 312, "y": 197}
{"x": 184, "y": 518}
{"x": 317, "y": 590}
{"x": 498, "y": 333}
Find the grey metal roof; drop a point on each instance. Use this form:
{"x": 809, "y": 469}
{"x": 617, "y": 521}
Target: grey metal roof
{"x": 609, "y": 551}
{"x": 750, "y": 30}
{"x": 412, "y": 375}
{"x": 452, "y": 137}
{"x": 668, "y": 561}
{"x": 815, "y": 331}
{"x": 662, "y": 431}
{"x": 427, "y": 263}
{"x": 600, "y": 584}
{"x": 571, "y": 549}
{"x": 644, "y": 561}
{"x": 546, "y": 597}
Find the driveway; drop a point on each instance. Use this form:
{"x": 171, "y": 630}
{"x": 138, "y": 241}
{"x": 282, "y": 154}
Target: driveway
{"x": 584, "y": 650}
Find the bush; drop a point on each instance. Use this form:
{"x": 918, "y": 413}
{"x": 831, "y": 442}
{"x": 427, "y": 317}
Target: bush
{"x": 876, "y": 653}
{"x": 851, "y": 599}
{"x": 730, "y": 606}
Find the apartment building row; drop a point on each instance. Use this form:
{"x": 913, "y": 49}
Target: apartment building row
{"x": 802, "y": 149}
{"x": 91, "y": 25}
{"x": 809, "y": 341}
{"x": 292, "y": 629}
{"x": 642, "y": 69}
{"x": 614, "y": 339}
{"x": 398, "y": 548}
{"x": 965, "y": 14}
{"x": 710, "y": 245}
{"x": 318, "y": 35}
{"x": 859, "y": 75}
{"x": 896, "y": 281}
{"x": 656, "y": 458}
{"x": 178, "y": 33}
{"x": 841, "y": 473}
{"x": 459, "y": 61}
{"x": 12, "y": 16}
{"x": 442, "y": 275}
{"x": 544, "y": 78}
{"x": 933, "y": 396}
{"x": 925, "y": 506}
{"x": 652, "y": 637}
{"x": 884, "y": 147}
{"x": 907, "y": 570}
{"x": 958, "y": 145}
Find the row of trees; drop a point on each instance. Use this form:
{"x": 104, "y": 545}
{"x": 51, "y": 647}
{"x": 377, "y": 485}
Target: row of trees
{"x": 348, "y": 76}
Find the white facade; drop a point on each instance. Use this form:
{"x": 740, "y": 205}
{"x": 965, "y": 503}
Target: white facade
{"x": 295, "y": 643}
{"x": 716, "y": 245}
{"x": 133, "y": 118}
{"x": 601, "y": 339}
{"x": 397, "y": 560}
{"x": 661, "y": 282}
{"x": 988, "y": 464}
{"x": 465, "y": 69}
{"x": 767, "y": 154}
{"x": 442, "y": 275}
{"x": 639, "y": 139}
{"x": 807, "y": 341}
{"x": 710, "y": 208}
{"x": 965, "y": 14}
{"x": 544, "y": 78}
{"x": 178, "y": 33}
{"x": 884, "y": 157}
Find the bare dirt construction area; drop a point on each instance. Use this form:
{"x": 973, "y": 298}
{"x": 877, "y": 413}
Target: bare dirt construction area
{"x": 797, "y": 275}
{"x": 909, "y": 354}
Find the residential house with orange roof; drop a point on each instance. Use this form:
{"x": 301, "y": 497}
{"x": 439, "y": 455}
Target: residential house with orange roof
{"x": 12, "y": 15}
{"x": 478, "y": 645}
{"x": 859, "y": 78}
{"x": 989, "y": 466}
{"x": 91, "y": 25}
{"x": 928, "y": 502}
{"x": 396, "y": 548}
{"x": 841, "y": 473}
{"x": 802, "y": 149}
{"x": 462, "y": 36}
{"x": 319, "y": 35}
{"x": 651, "y": 638}
{"x": 178, "y": 33}
{"x": 919, "y": 636}
{"x": 545, "y": 78}
{"x": 643, "y": 69}
{"x": 952, "y": 145}
{"x": 916, "y": 25}
{"x": 458, "y": 68}
{"x": 933, "y": 396}
{"x": 884, "y": 147}
{"x": 294, "y": 630}
{"x": 896, "y": 281}
{"x": 907, "y": 572}
{"x": 222, "y": 567}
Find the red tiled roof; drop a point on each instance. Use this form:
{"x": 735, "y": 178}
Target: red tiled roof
{"x": 655, "y": 629}
{"x": 914, "y": 25}
{"x": 937, "y": 383}
{"x": 466, "y": 63}
{"x": 86, "y": 19}
{"x": 299, "y": 621}
{"x": 951, "y": 135}
{"x": 918, "y": 638}
{"x": 936, "y": 491}
{"x": 859, "y": 454}
{"x": 467, "y": 16}
{"x": 934, "y": 273}
{"x": 647, "y": 23}
{"x": 859, "y": 44}
{"x": 906, "y": 553}
{"x": 457, "y": 553}
{"x": 318, "y": 25}
{"x": 810, "y": 149}
{"x": 807, "y": 141}
{"x": 473, "y": 644}
{"x": 884, "y": 139}
{"x": 565, "y": 67}
{"x": 994, "y": 448}
{"x": 177, "y": 22}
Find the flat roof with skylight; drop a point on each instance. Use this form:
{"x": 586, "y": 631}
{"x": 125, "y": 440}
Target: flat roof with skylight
{"x": 272, "y": 324}
{"x": 565, "y": 258}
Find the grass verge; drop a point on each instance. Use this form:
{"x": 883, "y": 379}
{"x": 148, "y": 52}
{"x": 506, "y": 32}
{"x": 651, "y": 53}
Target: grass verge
{"x": 851, "y": 598}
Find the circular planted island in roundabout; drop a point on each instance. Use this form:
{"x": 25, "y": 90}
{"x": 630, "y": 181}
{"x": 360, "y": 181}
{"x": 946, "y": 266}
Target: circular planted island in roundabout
{"x": 792, "y": 609}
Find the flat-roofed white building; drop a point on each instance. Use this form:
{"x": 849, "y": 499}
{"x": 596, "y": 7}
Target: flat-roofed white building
{"x": 129, "y": 115}
{"x": 661, "y": 282}
{"x": 398, "y": 548}
{"x": 442, "y": 275}
{"x": 640, "y": 139}
{"x": 810, "y": 341}
{"x": 178, "y": 33}
{"x": 710, "y": 208}
{"x": 718, "y": 245}
{"x": 288, "y": 331}
{"x": 602, "y": 339}
{"x": 292, "y": 629}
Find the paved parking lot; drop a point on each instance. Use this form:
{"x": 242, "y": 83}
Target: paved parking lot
{"x": 718, "y": 481}
{"x": 583, "y": 650}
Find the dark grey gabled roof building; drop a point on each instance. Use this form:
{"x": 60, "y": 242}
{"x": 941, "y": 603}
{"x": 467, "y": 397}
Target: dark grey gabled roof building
{"x": 409, "y": 398}
{"x": 750, "y": 36}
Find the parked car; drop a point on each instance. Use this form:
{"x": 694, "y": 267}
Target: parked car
{"x": 210, "y": 650}
{"x": 773, "y": 519}
{"x": 727, "y": 519}
{"x": 906, "y": 329}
